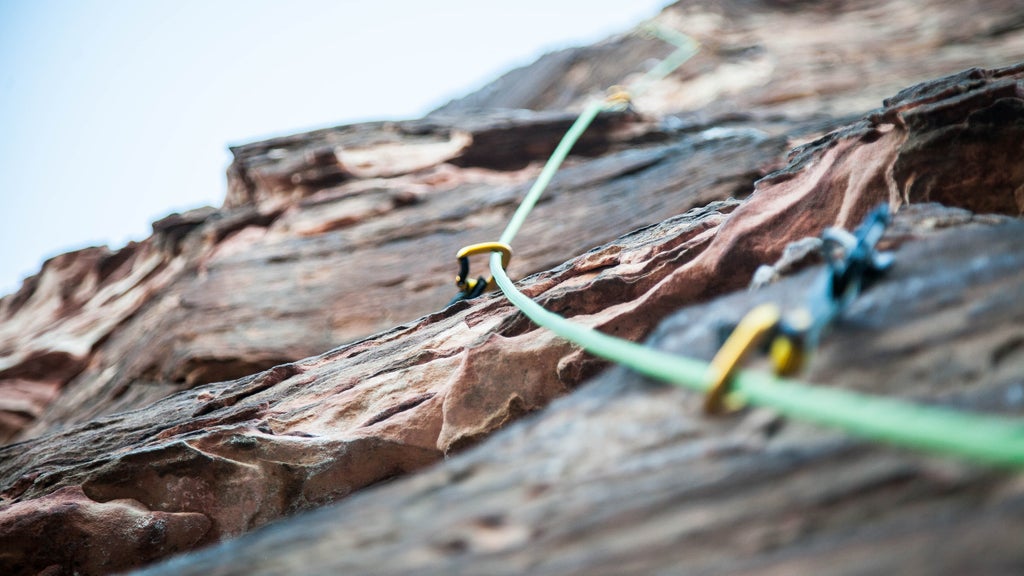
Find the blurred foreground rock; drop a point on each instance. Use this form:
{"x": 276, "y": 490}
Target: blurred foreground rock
{"x": 190, "y": 388}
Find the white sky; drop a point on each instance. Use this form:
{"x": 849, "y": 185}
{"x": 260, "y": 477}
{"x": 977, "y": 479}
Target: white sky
{"x": 114, "y": 113}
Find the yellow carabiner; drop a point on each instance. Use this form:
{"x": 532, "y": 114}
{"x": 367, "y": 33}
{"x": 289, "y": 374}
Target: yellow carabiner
{"x": 618, "y": 96}
{"x": 749, "y": 333}
{"x": 467, "y": 284}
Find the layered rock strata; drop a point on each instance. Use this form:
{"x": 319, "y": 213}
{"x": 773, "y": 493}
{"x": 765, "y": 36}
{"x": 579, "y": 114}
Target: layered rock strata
{"x": 285, "y": 351}
{"x": 303, "y": 434}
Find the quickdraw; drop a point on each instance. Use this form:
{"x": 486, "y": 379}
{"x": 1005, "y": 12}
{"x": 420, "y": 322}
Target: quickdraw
{"x": 852, "y": 263}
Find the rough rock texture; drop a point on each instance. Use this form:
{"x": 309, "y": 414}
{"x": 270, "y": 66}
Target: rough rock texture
{"x": 270, "y": 278}
{"x": 308, "y": 250}
{"x": 179, "y": 389}
{"x": 215, "y": 295}
{"x": 625, "y": 476}
{"x": 762, "y": 58}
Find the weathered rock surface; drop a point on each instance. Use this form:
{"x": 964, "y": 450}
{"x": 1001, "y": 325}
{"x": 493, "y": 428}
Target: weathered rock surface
{"x": 306, "y": 252}
{"x": 765, "y": 58}
{"x": 625, "y": 476}
{"x": 217, "y": 295}
{"x": 121, "y": 364}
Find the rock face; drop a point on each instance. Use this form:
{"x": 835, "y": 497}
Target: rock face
{"x": 766, "y": 58}
{"x": 190, "y": 388}
{"x": 626, "y": 476}
{"x": 219, "y": 295}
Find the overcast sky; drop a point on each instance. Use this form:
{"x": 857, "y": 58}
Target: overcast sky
{"x": 114, "y": 113}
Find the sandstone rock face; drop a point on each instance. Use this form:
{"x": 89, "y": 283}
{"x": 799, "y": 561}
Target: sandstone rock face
{"x": 215, "y": 295}
{"x": 279, "y": 354}
{"x": 765, "y": 58}
{"x": 625, "y": 476}
{"x": 271, "y": 277}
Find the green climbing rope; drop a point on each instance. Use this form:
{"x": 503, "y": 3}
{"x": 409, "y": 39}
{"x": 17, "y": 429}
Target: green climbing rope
{"x": 981, "y": 438}
{"x": 935, "y": 429}
{"x": 685, "y": 49}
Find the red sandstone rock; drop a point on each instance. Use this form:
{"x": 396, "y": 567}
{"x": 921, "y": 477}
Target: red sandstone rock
{"x": 626, "y": 476}
{"x": 219, "y": 295}
{"x": 768, "y": 58}
{"x": 269, "y": 278}
{"x": 303, "y": 434}
{"x": 329, "y": 237}
{"x": 69, "y": 532}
